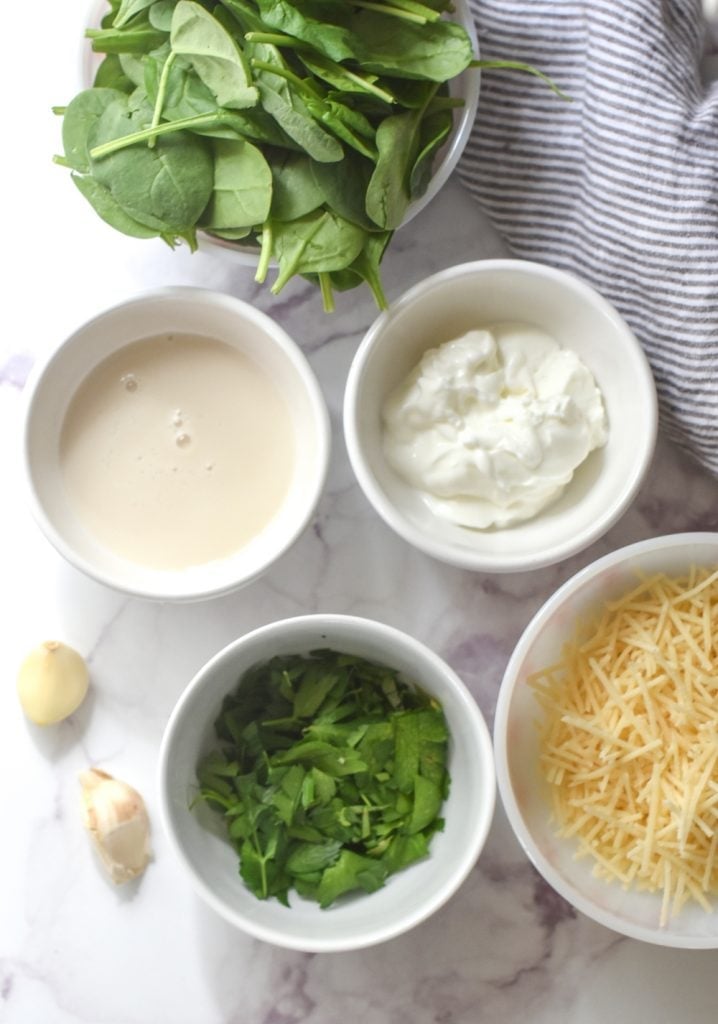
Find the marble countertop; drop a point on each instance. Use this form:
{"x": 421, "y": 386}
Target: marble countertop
{"x": 75, "y": 949}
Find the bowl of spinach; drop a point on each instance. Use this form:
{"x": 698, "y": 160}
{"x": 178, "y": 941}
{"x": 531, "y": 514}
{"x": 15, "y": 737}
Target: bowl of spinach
{"x": 299, "y": 135}
{"x": 327, "y": 782}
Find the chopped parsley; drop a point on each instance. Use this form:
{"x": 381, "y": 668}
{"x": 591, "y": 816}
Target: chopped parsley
{"x": 330, "y": 773}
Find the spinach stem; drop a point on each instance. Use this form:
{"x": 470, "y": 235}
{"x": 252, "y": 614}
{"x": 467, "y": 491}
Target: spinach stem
{"x": 373, "y": 279}
{"x": 276, "y": 69}
{"x": 265, "y": 253}
{"x": 383, "y": 94}
{"x": 196, "y": 121}
{"x": 365, "y": 84}
{"x": 273, "y": 39}
{"x": 394, "y": 12}
{"x": 517, "y": 65}
{"x": 161, "y": 93}
{"x": 320, "y": 61}
{"x": 444, "y": 103}
{"x": 325, "y": 286}
{"x": 421, "y": 10}
{"x": 262, "y": 858}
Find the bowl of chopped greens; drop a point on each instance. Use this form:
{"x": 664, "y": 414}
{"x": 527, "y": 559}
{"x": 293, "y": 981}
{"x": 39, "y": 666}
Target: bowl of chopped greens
{"x": 298, "y": 136}
{"x": 327, "y": 782}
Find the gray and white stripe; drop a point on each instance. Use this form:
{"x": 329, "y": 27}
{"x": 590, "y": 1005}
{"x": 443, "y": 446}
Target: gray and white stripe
{"x": 619, "y": 185}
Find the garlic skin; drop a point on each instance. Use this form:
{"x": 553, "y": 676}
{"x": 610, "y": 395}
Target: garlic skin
{"x": 52, "y": 682}
{"x": 116, "y": 817}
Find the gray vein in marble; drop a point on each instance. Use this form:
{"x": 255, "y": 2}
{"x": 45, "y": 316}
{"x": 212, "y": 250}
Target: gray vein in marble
{"x": 6, "y": 984}
{"x": 478, "y": 659}
{"x": 295, "y": 1005}
{"x": 552, "y": 908}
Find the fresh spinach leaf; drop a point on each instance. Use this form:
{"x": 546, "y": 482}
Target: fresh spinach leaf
{"x": 245, "y": 15}
{"x": 364, "y": 268}
{"x": 285, "y": 104}
{"x": 345, "y": 79}
{"x": 129, "y": 9}
{"x": 242, "y": 191}
{"x": 109, "y": 209}
{"x": 187, "y": 96}
{"x": 81, "y": 117}
{"x": 435, "y": 129}
{"x": 111, "y": 75}
{"x": 387, "y": 195}
{"x": 295, "y": 191}
{"x": 437, "y": 51}
{"x": 350, "y": 126}
{"x": 160, "y": 14}
{"x": 133, "y": 67}
{"x": 167, "y": 187}
{"x": 343, "y": 187}
{"x": 337, "y": 96}
{"x": 329, "y": 39}
{"x": 320, "y": 242}
{"x": 213, "y": 53}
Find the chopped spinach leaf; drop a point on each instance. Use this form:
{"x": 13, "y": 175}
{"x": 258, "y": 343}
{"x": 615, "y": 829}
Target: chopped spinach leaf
{"x": 330, "y": 773}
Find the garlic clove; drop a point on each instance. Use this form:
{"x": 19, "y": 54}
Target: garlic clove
{"x": 116, "y": 817}
{"x": 52, "y": 682}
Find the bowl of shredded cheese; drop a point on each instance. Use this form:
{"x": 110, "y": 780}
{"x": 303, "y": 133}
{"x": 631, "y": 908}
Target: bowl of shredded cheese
{"x": 606, "y": 741}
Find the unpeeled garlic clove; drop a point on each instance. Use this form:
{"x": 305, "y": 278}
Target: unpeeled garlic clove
{"x": 116, "y": 818}
{"x": 52, "y": 682}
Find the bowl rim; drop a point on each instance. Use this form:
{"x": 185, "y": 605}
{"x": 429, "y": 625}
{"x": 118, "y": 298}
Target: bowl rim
{"x": 288, "y": 349}
{"x": 507, "y": 687}
{"x": 484, "y": 749}
{"x": 644, "y": 445}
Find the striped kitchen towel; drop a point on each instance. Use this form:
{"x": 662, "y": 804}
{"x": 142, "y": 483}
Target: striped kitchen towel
{"x": 620, "y": 185}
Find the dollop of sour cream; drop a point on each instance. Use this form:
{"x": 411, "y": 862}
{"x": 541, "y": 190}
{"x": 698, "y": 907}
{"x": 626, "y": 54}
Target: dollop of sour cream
{"x": 490, "y": 427}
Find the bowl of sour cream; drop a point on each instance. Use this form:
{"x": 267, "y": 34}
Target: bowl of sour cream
{"x": 175, "y": 445}
{"x": 487, "y": 414}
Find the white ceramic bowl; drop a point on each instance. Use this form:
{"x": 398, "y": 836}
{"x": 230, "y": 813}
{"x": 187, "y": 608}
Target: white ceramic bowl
{"x": 465, "y": 86}
{"x": 479, "y": 294}
{"x": 409, "y": 896}
{"x": 188, "y": 311}
{"x": 516, "y": 744}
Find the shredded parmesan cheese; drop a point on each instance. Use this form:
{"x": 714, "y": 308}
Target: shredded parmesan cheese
{"x": 629, "y": 741}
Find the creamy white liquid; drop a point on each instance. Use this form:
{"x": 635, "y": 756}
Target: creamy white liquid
{"x": 176, "y": 451}
{"x": 490, "y": 427}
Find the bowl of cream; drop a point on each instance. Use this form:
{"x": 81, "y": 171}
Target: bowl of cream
{"x": 175, "y": 445}
{"x": 486, "y": 415}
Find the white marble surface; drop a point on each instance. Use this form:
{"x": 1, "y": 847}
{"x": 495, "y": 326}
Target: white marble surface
{"x": 72, "y": 947}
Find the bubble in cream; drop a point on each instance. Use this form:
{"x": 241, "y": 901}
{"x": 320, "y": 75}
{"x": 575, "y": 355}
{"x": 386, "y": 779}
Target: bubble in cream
{"x": 129, "y": 382}
{"x": 182, "y": 440}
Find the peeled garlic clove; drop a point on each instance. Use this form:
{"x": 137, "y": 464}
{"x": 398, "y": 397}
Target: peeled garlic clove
{"x": 116, "y": 818}
{"x": 52, "y": 682}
